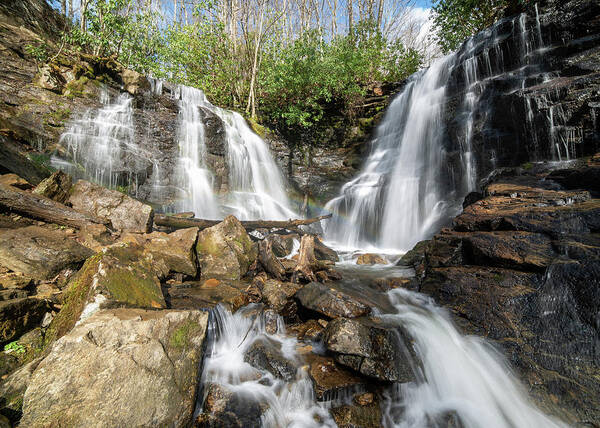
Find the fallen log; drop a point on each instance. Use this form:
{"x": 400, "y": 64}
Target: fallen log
{"x": 182, "y": 223}
{"x": 42, "y": 208}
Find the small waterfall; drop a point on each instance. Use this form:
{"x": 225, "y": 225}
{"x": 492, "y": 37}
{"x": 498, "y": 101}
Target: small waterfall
{"x": 256, "y": 188}
{"x": 289, "y": 404}
{"x": 102, "y": 146}
{"x": 462, "y": 377}
{"x": 416, "y": 175}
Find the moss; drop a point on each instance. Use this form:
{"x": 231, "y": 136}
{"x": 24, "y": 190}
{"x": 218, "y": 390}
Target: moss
{"x": 180, "y": 337}
{"x": 76, "y": 88}
{"x": 134, "y": 285}
{"x": 498, "y": 277}
{"x": 258, "y": 129}
{"x": 527, "y": 166}
{"x": 58, "y": 116}
{"x": 41, "y": 160}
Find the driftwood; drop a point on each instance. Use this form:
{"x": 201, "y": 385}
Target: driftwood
{"x": 42, "y": 208}
{"x": 181, "y": 223}
{"x": 269, "y": 261}
{"x": 306, "y": 260}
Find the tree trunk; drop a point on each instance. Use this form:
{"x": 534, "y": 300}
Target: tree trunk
{"x": 350, "y": 16}
{"x": 269, "y": 261}
{"x": 306, "y": 260}
{"x": 42, "y": 208}
{"x": 182, "y": 223}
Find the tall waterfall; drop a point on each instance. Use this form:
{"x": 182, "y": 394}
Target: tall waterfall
{"x": 103, "y": 146}
{"x": 414, "y": 179}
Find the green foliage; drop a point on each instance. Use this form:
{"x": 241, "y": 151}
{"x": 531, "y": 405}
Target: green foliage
{"x": 299, "y": 81}
{"x": 456, "y": 20}
{"x": 15, "y": 347}
{"x": 39, "y": 52}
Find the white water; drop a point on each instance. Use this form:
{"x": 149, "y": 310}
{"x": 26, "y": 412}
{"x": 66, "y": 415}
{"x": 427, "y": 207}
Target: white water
{"x": 461, "y": 375}
{"x": 103, "y": 147}
{"x": 396, "y": 200}
{"x": 289, "y": 404}
{"x": 409, "y": 186}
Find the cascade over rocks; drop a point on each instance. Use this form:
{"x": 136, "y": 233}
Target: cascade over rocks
{"x": 121, "y": 367}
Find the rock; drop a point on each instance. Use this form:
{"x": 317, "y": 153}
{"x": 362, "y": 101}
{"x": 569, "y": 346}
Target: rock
{"x": 349, "y": 416}
{"x": 520, "y": 250}
{"x": 364, "y": 399}
{"x": 330, "y": 379}
{"x": 49, "y": 78}
{"x": 134, "y": 82}
{"x": 330, "y": 301}
{"x": 471, "y": 198}
{"x": 311, "y": 330}
{"x": 371, "y": 259}
{"x": 13, "y": 388}
{"x": 126, "y": 367}
{"x": 214, "y": 132}
{"x": 39, "y": 252}
{"x": 265, "y": 354}
{"x": 120, "y": 275}
{"x": 8, "y": 363}
{"x": 282, "y": 245}
{"x": 20, "y": 315}
{"x": 207, "y": 294}
{"x": 323, "y": 252}
{"x": 177, "y": 249}
{"x": 225, "y": 408}
{"x": 387, "y": 284}
{"x": 95, "y": 236}
{"x": 225, "y": 250}
{"x": 15, "y": 181}
{"x": 57, "y": 187}
{"x": 124, "y": 213}
{"x": 15, "y": 280}
{"x": 415, "y": 256}
{"x": 277, "y": 294}
{"x": 372, "y": 350}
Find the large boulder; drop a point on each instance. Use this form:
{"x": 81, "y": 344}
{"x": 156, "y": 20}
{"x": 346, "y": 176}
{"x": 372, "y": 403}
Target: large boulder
{"x": 57, "y": 187}
{"x": 225, "y": 250}
{"x": 121, "y": 367}
{"x": 278, "y": 294}
{"x": 134, "y": 82}
{"x": 330, "y": 301}
{"x": 177, "y": 249}
{"x": 208, "y": 294}
{"x": 266, "y": 354}
{"x": 224, "y": 407}
{"x": 39, "y": 252}
{"x": 13, "y": 388}
{"x": 329, "y": 378}
{"x": 373, "y": 350}
{"x": 119, "y": 275}
{"x": 123, "y": 212}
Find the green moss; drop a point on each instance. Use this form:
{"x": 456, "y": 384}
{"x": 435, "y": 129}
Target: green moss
{"x": 76, "y": 88}
{"x": 258, "y": 129}
{"x": 135, "y": 285}
{"x": 58, "y": 116}
{"x": 498, "y": 277}
{"x": 527, "y": 166}
{"x": 180, "y": 337}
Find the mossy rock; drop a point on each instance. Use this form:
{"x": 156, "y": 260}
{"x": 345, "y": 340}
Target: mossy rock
{"x": 122, "y": 275}
{"x": 225, "y": 251}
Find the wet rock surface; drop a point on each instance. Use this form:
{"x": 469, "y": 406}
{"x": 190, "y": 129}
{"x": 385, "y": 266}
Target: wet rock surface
{"x": 330, "y": 302}
{"x": 265, "y": 354}
{"x": 154, "y": 355}
{"x": 521, "y": 267}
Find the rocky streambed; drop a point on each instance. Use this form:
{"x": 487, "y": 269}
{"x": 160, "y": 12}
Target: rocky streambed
{"x": 139, "y": 325}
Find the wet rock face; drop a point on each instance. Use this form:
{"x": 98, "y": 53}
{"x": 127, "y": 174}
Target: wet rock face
{"x": 20, "y": 315}
{"x": 154, "y": 355}
{"x": 330, "y": 302}
{"x": 39, "y": 252}
{"x": 368, "y": 348}
{"x": 265, "y": 354}
{"x": 521, "y": 267}
{"x": 224, "y": 408}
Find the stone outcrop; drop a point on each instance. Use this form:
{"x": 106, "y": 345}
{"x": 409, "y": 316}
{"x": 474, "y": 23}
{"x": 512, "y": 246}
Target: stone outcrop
{"x": 521, "y": 266}
{"x": 368, "y": 348}
{"x": 40, "y": 252}
{"x": 330, "y": 302}
{"x": 122, "y": 367}
{"x": 17, "y": 316}
{"x": 225, "y": 251}
{"x": 123, "y": 212}
{"x": 57, "y": 187}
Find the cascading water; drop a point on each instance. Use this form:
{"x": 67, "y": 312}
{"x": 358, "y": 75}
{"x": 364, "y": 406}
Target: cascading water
{"x": 398, "y": 197}
{"x": 256, "y": 186}
{"x": 416, "y": 175}
{"x": 102, "y": 144}
{"x": 462, "y": 377}
{"x": 290, "y": 404}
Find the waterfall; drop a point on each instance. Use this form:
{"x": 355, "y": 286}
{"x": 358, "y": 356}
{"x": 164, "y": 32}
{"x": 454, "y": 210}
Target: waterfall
{"x": 416, "y": 175}
{"x": 462, "y": 376}
{"x": 256, "y": 188}
{"x": 103, "y": 146}
{"x": 397, "y": 199}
